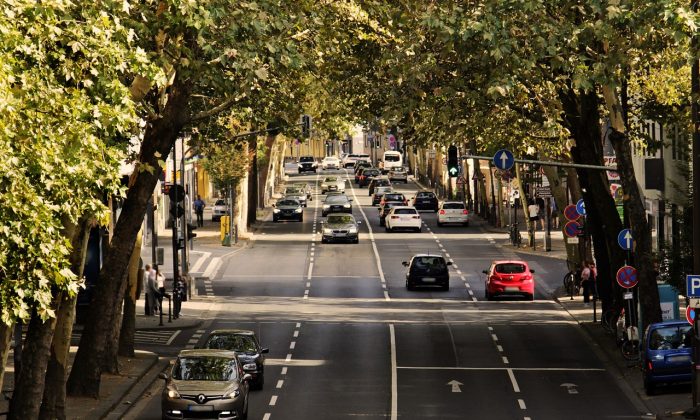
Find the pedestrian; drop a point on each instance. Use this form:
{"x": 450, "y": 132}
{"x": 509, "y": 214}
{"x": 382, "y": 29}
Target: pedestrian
{"x": 199, "y": 205}
{"x": 533, "y": 211}
{"x": 178, "y": 296}
{"x": 160, "y": 285}
{"x": 540, "y": 210}
{"x": 150, "y": 290}
{"x": 555, "y": 213}
{"x": 586, "y": 283}
{"x": 593, "y": 279}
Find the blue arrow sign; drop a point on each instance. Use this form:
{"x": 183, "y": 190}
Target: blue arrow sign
{"x": 503, "y": 159}
{"x": 624, "y": 239}
{"x": 581, "y": 207}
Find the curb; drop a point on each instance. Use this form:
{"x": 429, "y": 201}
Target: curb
{"x": 137, "y": 379}
{"x": 126, "y": 402}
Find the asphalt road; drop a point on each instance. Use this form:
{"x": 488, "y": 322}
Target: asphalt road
{"x": 347, "y": 340}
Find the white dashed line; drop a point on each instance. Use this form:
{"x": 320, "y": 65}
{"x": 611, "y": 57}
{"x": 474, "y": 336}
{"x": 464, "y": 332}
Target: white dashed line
{"x": 493, "y": 336}
{"x": 280, "y": 383}
{"x": 516, "y": 388}
{"x": 273, "y": 400}
{"x": 298, "y": 325}
{"x": 284, "y": 371}
{"x": 292, "y": 345}
{"x": 288, "y": 358}
{"x": 505, "y": 360}
{"x": 296, "y": 334}
{"x": 266, "y": 416}
{"x": 500, "y": 348}
{"x": 521, "y": 403}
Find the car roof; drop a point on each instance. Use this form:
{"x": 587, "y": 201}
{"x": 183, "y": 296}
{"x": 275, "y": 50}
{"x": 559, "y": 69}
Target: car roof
{"x": 428, "y": 255}
{"x": 404, "y": 207}
{"x": 510, "y": 262}
{"x": 207, "y": 352}
{"x": 233, "y": 331}
{"x": 452, "y": 202}
{"x": 672, "y": 323}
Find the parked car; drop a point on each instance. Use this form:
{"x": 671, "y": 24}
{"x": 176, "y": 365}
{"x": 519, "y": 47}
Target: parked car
{"x": 509, "y": 278}
{"x": 425, "y": 200}
{"x": 380, "y": 181}
{"x": 332, "y": 183}
{"x": 248, "y": 349}
{"x": 340, "y": 227}
{"x": 350, "y": 159}
{"x": 398, "y": 173}
{"x": 393, "y": 196}
{"x": 330, "y": 162}
{"x": 336, "y": 204}
{"x": 379, "y": 193}
{"x": 294, "y": 193}
{"x": 367, "y": 175}
{"x": 219, "y": 209}
{"x": 403, "y": 217}
{"x": 453, "y": 212}
{"x": 386, "y": 208}
{"x": 287, "y": 209}
{"x": 427, "y": 270}
{"x": 304, "y": 187}
{"x": 211, "y": 381}
{"x": 307, "y": 164}
{"x": 667, "y": 354}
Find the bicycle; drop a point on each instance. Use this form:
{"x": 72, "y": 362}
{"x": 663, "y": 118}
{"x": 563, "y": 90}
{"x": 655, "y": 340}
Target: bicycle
{"x": 628, "y": 338}
{"x": 572, "y": 284}
{"x": 515, "y": 238}
{"x": 609, "y": 319}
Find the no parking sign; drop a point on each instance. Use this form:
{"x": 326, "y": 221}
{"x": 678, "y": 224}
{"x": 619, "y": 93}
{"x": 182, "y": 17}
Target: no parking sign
{"x": 627, "y": 277}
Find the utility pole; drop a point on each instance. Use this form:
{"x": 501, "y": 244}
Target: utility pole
{"x": 695, "y": 117}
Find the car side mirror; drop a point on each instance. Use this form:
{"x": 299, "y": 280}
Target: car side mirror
{"x": 532, "y": 271}
{"x": 163, "y": 376}
{"x": 265, "y": 351}
{"x": 484, "y": 271}
{"x": 247, "y": 377}
{"x": 359, "y": 222}
{"x": 449, "y": 262}
{"x": 405, "y": 263}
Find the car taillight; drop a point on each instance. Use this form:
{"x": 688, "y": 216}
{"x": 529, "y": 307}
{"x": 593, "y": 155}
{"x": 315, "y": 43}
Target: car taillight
{"x": 465, "y": 211}
{"x": 650, "y": 365}
{"x": 416, "y": 217}
{"x": 527, "y": 278}
{"x": 442, "y": 211}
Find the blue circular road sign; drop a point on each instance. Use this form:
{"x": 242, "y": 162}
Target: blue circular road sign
{"x": 581, "y": 207}
{"x": 503, "y": 159}
{"x": 625, "y": 240}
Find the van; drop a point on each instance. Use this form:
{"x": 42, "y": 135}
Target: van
{"x": 350, "y": 159}
{"x": 392, "y": 159}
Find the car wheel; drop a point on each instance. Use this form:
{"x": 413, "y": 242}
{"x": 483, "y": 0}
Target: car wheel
{"x": 439, "y": 224}
{"x": 409, "y": 286}
{"x": 530, "y": 297}
{"x": 275, "y": 220}
{"x": 324, "y": 240}
{"x": 258, "y": 385}
{"x": 301, "y": 218}
{"x": 356, "y": 241}
{"x": 419, "y": 230}
{"x": 387, "y": 228}
{"x": 381, "y": 223}
{"x": 466, "y": 224}
{"x": 487, "y": 295}
{"x": 649, "y": 387}
{"x": 244, "y": 416}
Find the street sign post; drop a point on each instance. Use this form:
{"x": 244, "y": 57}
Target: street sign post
{"x": 692, "y": 283}
{"x": 627, "y": 277}
{"x": 503, "y": 159}
{"x": 581, "y": 207}
{"x": 572, "y": 229}
{"x": 624, "y": 239}
{"x": 690, "y": 314}
{"x": 571, "y": 213}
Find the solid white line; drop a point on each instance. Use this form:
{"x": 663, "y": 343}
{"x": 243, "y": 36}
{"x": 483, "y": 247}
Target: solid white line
{"x": 173, "y": 337}
{"x": 292, "y": 345}
{"x": 394, "y": 374}
{"x": 280, "y": 383}
{"x": 212, "y": 268}
{"x": 516, "y": 388}
{"x": 273, "y": 400}
{"x": 535, "y": 369}
{"x": 521, "y": 403}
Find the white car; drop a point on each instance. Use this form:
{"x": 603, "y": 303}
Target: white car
{"x": 332, "y": 183}
{"x": 330, "y": 162}
{"x": 403, "y": 217}
{"x": 453, "y": 212}
{"x": 349, "y": 160}
{"x": 220, "y": 209}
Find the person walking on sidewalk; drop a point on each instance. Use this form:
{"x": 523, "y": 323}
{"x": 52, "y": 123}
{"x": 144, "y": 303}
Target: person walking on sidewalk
{"x": 160, "y": 284}
{"x": 199, "y": 205}
{"x": 588, "y": 281}
{"x": 555, "y": 213}
{"x": 533, "y": 211}
{"x": 150, "y": 290}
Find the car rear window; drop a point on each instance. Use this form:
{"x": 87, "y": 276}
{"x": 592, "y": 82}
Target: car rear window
{"x": 510, "y": 268}
{"x": 397, "y": 197}
{"x": 405, "y": 211}
{"x": 453, "y": 206}
{"x": 429, "y": 262}
{"x": 673, "y": 337}
{"x": 392, "y": 158}
{"x": 425, "y": 195}
{"x": 370, "y": 172}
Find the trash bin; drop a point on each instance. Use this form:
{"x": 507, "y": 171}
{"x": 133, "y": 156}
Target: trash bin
{"x": 668, "y": 298}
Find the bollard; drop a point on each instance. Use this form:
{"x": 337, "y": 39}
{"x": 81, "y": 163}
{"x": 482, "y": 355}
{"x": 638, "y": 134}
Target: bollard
{"x": 594, "y": 310}
{"x": 170, "y": 312}
{"x": 160, "y": 313}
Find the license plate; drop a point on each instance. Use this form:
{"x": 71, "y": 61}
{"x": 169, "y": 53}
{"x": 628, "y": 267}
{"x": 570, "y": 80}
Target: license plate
{"x": 338, "y": 234}
{"x": 681, "y": 358}
{"x": 200, "y": 407}
{"x": 425, "y": 201}
{"x": 429, "y": 279}
{"x": 512, "y": 289}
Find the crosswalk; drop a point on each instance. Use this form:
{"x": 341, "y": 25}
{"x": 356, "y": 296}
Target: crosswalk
{"x": 152, "y": 337}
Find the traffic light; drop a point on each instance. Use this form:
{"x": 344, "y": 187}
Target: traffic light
{"x": 190, "y": 229}
{"x": 176, "y": 210}
{"x": 306, "y": 126}
{"x": 452, "y": 161}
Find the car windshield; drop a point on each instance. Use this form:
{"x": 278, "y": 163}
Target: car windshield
{"x": 510, "y": 268}
{"x": 392, "y": 196}
{"x": 405, "y": 211}
{"x": 425, "y": 263}
{"x": 293, "y": 191}
{"x": 288, "y": 203}
{"x": 236, "y": 342}
{"x": 336, "y": 199}
{"x": 340, "y": 219}
{"x": 371, "y": 172}
{"x": 306, "y": 159}
{"x": 204, "y": 368}
{"x": 453, "y": 206}
{"x": 330, "y": 179}
{"x": 671, "y": 337}
{"x": 220, "y": 203}
{"x": 392, "y": 158}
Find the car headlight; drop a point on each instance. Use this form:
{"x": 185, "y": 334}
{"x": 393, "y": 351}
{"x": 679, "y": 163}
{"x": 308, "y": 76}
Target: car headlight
{"x": 173, "y": 394}
{"x": 326, "y": 206}
{"x": 233, "y": 394}
{"x": 297, "y": 210}
{"x": 327, "y": 231}
{"x": 353, "y": 229}
{"x": 347, "y": 206}
{"x": 276, "y": 210}
{"x": 314, "y": 165}
{"x": 250, "y": 366}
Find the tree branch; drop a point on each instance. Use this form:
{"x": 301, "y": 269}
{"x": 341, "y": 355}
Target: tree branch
{"x": 227, "y": 103}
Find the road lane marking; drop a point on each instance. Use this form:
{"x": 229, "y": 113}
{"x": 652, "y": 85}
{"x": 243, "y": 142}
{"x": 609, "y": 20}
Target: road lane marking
{"x": 296, "y": 334}
{"x": 292, "y": 345}
{"x": 280, "y": 383}
{"x": 298, "y": 325}
{"x": 490, "y": 328}
{"x": 529, "y": 369}
{"x": 500, "y": 348}
{"x": 394, "y": 374}
{"x": 288, "y": 358}
{"x": 521, "y": 403}
{"x": 505, "y": 360}
{"x": 311, "y": 268}
{"x": 173, "y": 337}
{"x": 200, "y": 261}
{"x": 273, "y": 400}
{"x": 493, "y": 336}
{"x": 284, "y": 371}
{"x": 516, "y": 388}
{"x": 266, "y": 416}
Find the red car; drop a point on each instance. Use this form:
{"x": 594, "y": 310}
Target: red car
{"x": 509, "y": 277}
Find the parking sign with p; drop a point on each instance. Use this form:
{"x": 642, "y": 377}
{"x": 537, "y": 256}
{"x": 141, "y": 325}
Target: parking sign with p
{"x": 692, "y": 282}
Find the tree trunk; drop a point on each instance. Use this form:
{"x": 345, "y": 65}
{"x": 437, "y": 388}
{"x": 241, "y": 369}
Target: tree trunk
{"x": 159, "y": 138}
{"x": 5, "y": 340}
{"x": 253, "y": 181}
{"x": 54, "y": 399}
{"x": 648, "y": 289}
{"x": 523, "y": 201}
{"x": 29, "y": 388}
{"x": 560, "y": 197}
{"x": 126, "y": 336}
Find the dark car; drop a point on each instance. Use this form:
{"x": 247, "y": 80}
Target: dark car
{"x": 667, "y": 354}
{"x": 361, "y": 164}
{"x": 427, "y": 270}
{"x": 367, "y": 175}
{"x": 336, "y": 204}
{"x": 248, "y": 349}
{"x": 358, "y": 172}
{"x": 378, "y": 182}
{"x": 287, "y": 209}
{"x": 384, "y": 210}
{"x": 379, "y": 193}
{"x": 339, "y": 227}
{"x": 307, "y": 164}
{"x": 393, "y": 196}
{"x": 426, "y": 200}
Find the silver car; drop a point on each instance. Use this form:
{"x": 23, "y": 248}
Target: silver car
{"x": 398, "y": 174}
{"x": 304, "y": 187}
{"x": 332, "y": 183}
{"x": 340, "y": 227}
{"x": 293, "y": 193}
{"x": 205, "y": 383}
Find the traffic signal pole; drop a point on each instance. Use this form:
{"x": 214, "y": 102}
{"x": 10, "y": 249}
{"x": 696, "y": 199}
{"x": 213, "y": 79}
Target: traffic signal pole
{"x": 175, "y": 218}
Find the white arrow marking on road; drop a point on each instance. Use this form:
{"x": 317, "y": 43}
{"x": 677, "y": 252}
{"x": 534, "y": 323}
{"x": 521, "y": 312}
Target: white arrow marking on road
{"x": 571, "y": 388}
{"x": 504, "y": 159}
{"x": 628, "y": 237}
{"x": 455, "y": 385}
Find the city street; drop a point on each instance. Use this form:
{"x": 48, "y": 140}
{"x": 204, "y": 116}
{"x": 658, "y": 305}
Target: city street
{"x": 348, "y": 340}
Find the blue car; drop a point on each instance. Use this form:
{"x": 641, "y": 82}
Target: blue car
{"x": 667, "y": 354}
